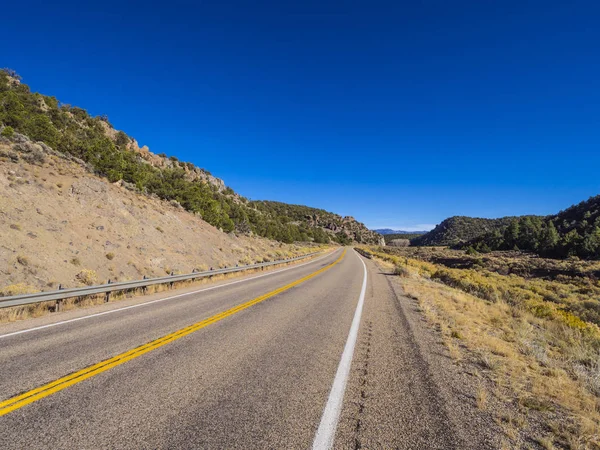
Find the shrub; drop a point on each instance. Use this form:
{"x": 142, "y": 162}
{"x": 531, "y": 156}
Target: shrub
{"x": 32, "y": 153}
{"x": 17, "y": 289}
{"x": 23, "y": 260}
{"x": 402, "y": 271}
{"x": 470, "y": 251}
{"x": 75, "y": 261}
{"x": 122, "y": 139}
{"x": 15, "y": 226}
{"x": 8, "y": 132}
{"x": 110, "y": 256}
{"x": 87, "y": 277}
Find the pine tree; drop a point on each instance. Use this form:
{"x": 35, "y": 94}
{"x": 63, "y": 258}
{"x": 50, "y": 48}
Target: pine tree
{"x": 591, "y": 244}
{"x": 570, "y": 243}
{"x": 511, "y": 235}
{"x": 549, "y": 239}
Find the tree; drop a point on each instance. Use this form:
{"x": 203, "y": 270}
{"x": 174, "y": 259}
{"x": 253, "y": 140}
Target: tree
{"x": 511, "y": 235}
{"x": 122, "y": 139}
{"x": 569, "y": 243}
{"x": 590, "y": 245}
{"x": 342, "y": 238}
{"x": 549, "y": 240}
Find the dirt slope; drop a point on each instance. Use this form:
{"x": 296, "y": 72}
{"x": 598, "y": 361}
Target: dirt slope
{"x": 62, "y": 225}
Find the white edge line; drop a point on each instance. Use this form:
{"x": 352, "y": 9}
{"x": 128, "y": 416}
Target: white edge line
{"x": 331, "y": 414}
{"x": 63, "y": 322}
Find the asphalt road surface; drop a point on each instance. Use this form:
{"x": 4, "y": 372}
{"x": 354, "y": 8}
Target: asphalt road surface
{"x": 319, "y": 355}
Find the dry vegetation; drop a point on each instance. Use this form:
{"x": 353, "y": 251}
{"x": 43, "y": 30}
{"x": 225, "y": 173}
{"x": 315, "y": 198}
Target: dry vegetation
{"x": 527, "y": 336}
{"x": 41, "y": 309}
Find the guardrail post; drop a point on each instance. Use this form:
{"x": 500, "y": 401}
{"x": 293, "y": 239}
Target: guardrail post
{"x": 144, "y": 288}
{"x": 171, "y": 283}
{"x": 58, "y": 304}
{"x": 107, "y": 295}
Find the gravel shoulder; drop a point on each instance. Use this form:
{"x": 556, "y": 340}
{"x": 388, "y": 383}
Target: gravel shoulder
{"x": 405, "y": 391}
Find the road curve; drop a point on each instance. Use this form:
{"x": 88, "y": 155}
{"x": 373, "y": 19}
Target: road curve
{"x": 259, "y": 377}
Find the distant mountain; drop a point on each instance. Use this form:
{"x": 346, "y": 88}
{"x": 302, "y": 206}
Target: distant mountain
{"x": 384, "y": 231}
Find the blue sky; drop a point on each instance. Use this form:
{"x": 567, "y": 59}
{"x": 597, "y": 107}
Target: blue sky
{"x": 398, "y": 113}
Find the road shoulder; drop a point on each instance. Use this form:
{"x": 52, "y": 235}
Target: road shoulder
{"x": 405, "y": 391}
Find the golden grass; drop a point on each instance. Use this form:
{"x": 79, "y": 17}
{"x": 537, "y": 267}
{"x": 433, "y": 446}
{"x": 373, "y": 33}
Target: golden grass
{"x": 17, "y": 289}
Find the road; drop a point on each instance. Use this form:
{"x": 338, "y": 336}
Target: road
{"x": 264, "y": 362}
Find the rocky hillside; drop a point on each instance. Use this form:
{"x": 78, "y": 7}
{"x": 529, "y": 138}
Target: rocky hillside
{"x": 117, "y": 157}
{"x": 62, "y": 224}
{"x": 341, "y": 229}
{"x": 460, "y": 229}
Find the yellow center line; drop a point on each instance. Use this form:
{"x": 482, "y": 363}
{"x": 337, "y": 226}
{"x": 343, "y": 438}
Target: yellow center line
{"x": 45, "y": 390}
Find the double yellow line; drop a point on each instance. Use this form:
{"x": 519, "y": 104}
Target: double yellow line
{"x": 45, "y": 390}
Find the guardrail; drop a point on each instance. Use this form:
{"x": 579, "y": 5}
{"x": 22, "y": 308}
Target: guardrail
{"x": 62, "y": 294}
{"x": 363, "y": 252}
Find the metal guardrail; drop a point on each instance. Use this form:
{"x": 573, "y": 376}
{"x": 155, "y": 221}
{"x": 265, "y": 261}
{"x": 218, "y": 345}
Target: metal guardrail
{"x": 364, "y": 253}
{"x": 27, "y": 299}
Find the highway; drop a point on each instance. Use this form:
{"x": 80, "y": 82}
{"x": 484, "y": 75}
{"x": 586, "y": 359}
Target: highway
{"x": 318, "y": 355}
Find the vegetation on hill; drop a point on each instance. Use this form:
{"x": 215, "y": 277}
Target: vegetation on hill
{"x": 323, "y": 224}
{"x": 111, "y": 154}
{"x": 460, "y": 229}
{"x": 574, "y": 232}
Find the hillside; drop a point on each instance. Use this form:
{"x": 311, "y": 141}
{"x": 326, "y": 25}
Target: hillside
{"x": 344, "y": 230}
{"x": 63, "y": 225}
{"x": 460, "y": 229}
{"x": 117, "y": 157}
{"x": 572, "y": 232}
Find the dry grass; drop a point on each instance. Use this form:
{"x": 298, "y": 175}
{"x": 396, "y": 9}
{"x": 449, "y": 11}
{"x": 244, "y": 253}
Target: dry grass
{"x": 546, "y": 442}
{"x": 545, "y": 364}
{"x": 481, "y": 397}
{"x": 17, "y": 289}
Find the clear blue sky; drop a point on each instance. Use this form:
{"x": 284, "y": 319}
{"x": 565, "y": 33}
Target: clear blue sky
{"x": 399, "y": 113}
